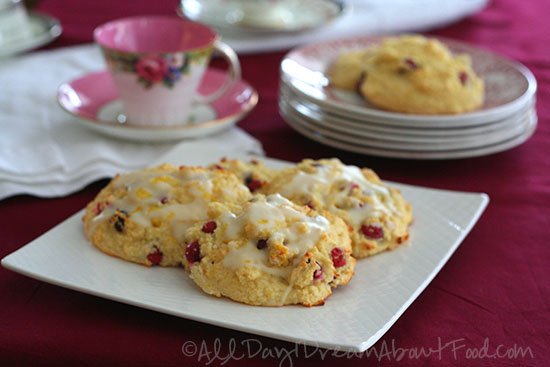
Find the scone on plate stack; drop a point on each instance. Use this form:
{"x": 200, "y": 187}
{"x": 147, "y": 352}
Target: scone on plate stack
{"x": 377, "y": 215}
{"x": 410, "y": 74}
{"x": 346, "y": 72}
{"x": 142, "y": 216}
{"x": 271, "y": 252}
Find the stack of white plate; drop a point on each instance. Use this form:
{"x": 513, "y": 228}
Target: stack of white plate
{"x": 344, "y": 120}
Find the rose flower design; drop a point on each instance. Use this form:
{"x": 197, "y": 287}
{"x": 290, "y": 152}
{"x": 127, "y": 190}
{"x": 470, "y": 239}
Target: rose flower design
{"x": 151, "y": 69}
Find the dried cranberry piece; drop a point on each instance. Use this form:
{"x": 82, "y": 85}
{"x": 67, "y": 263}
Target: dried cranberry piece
{"x": 209, "y": 227}
{"x": 318, "y": 273}
{"x": 119, "y": 224}
{"x": 155, "y": 257}
{"x": 252, "y": 183}
{"x": 338, "y": 258}
{"x": 163, "y": 200}
{"x": 372, "y": 231}
{"x": 193, "y": 252}
{"x": 99, "y": 207}
{"x": 362, "y": 79}
{"x": 410, "y": 63}
{"x": 261, "y": 244}
{"x": 463, "y": 76}
{"x": 119, "y": 220}
{"x": 353, "y": 186}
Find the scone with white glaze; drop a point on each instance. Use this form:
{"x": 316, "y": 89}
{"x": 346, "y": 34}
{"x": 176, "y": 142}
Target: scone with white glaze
{"x": 377, "y": 216}
{"x": 253, "y": 173}
{"x": 271, "y": 252}
{"x": 142, "y": 216}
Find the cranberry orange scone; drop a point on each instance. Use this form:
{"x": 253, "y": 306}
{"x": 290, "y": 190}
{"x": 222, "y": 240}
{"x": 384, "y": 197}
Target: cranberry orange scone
{"x": 377, "y": 216}
{"x": 346, "y": 70}
{"x": 142, "y": 216}
{"x": 254, "y": 174}
{"x": 414, "y": 74}
{"x": 271, "y": 252}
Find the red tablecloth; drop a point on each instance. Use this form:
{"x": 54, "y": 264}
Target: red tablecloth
{"x": 491, "y": 297}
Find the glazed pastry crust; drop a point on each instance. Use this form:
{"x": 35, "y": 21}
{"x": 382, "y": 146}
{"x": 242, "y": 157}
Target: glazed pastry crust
{"x": 259, "y": 261}
{"x": 141, "y": 216}
{"x": 377, "y": 216}
{"x": 253, "y": 173}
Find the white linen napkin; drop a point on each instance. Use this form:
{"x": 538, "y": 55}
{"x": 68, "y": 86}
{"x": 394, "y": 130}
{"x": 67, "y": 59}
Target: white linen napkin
{"x": 44, "y": 153}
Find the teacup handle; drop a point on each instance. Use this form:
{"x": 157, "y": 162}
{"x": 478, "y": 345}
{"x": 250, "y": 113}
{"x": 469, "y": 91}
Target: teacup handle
{"x": 234, "y": 72}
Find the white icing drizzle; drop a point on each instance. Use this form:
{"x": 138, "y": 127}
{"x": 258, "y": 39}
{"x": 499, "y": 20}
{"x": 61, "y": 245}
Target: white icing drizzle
{"x": 147, "y": 189}
{"x": 193, "y": 211}
{"x": 287, "y": 292}
{"x": 299, "y": 235}
{"x": 325, "y": 176}
{"x": 304, "y": 183}
{"x": 354, "y": 174}
{"x": 232, "y": 225}
{"x": 249, "y": 255}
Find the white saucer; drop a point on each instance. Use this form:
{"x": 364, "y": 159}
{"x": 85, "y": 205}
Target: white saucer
{"x": 44, "y": 29}
{"x": 93, "y": 100}
{"x": 246, "y": 18}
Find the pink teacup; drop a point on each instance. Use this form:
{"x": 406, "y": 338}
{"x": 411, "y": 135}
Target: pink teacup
{"x": 157, "y": 63}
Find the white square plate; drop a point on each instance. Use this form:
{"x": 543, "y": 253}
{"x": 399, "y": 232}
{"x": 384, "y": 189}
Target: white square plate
{"x": 353, "y": 318}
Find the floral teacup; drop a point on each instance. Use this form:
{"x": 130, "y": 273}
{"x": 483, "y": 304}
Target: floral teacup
{"x": 157, "y": 63}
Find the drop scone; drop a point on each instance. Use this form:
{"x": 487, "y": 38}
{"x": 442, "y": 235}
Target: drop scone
{"x": 142, "y": 216}
{"x": 377, "y": 216}
{"x": 271, "y": 252}
{"x": 415, "y": 74}
{"x": 346, "y": 70}
{"x": 253, "y": 173}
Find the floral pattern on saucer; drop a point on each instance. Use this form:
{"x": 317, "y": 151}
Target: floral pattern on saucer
{"x": 151, "y": 69}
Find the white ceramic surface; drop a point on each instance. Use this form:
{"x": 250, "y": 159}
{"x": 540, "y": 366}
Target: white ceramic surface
{"x": 262, "y": 17}
{"x": 353, "y": 318}
{"x": 508, "y": 85}
{"x": 316, "y": 112}
{"x": 361, "y": 17}
{"x": 43, "y": 29}
{"x": 343, "y": 144}
{"x": 518, "y": 124}
{"x": 409, "y": 135}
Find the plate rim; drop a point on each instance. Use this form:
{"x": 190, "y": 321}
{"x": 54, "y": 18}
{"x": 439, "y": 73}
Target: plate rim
{"x": 410, "y": 155}
{"x": 341, "y": 8}
{"x": 389, "y": 132}
{"x": 476, "y": 142}
{"x": 407, "y": 129}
